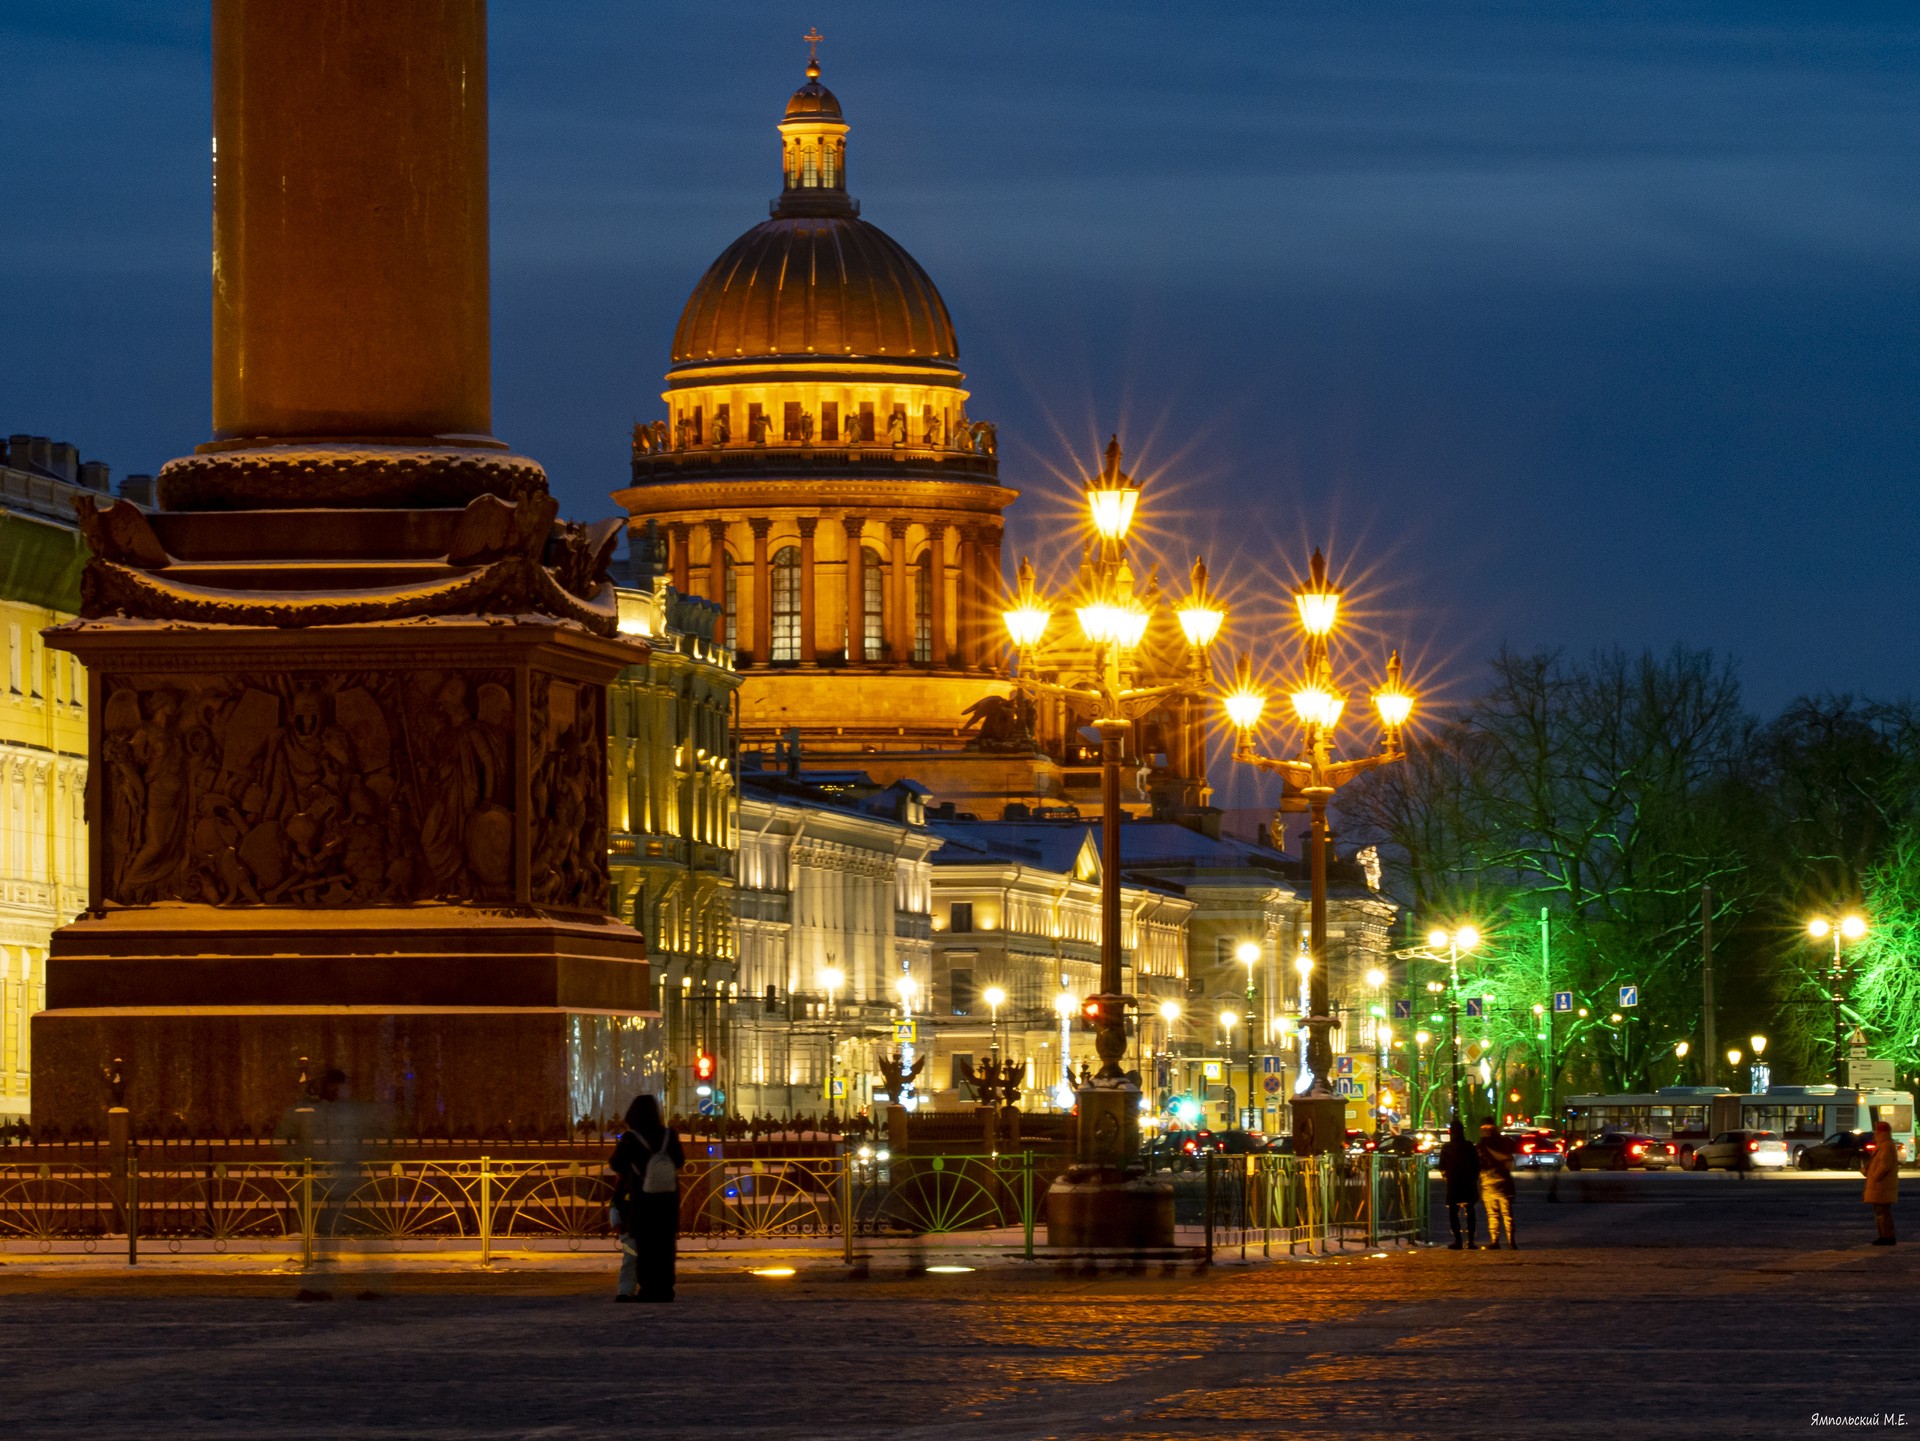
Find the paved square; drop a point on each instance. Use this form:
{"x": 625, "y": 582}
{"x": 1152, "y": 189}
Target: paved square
{"x": 1657, "y": 1306}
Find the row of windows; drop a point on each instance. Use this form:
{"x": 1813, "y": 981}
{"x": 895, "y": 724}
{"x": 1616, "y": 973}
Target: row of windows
{"x": 812, "y": 164}
{"x": 787, "y": 605}
{"x": 34, "y": 670}
{"x": 799, "y": 426}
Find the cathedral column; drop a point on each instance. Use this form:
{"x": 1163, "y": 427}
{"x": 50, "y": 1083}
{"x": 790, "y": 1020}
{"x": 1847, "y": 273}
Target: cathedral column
{"x": 679, "y": 560}
{"x": 808, "y": 612}
{"x": 900, "y": 633}
{"x": 992, "y": 584}
{"x": 762, "y": 593}
{"x": 967, "y": 602}
{"x": 717, "y": 562}
{"x": 940, "y": 654}
{"x": 856, "y": 607}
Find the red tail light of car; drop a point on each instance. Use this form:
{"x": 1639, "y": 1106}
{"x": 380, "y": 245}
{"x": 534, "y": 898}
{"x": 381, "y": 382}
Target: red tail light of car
{"x": 1526, "y": 1147}
{"x": 1751, "y": 1145}
{"x": 1639, "y": 1148}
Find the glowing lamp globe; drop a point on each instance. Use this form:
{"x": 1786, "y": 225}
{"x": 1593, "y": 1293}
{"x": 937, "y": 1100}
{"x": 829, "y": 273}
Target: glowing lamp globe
{"x": 1852, "y": 928}
{"x": 1467, "y": 937}
{"x": 1026, "y": 624}
{"x": 1437, "y": 939}
{"x": 1819, "y": 928}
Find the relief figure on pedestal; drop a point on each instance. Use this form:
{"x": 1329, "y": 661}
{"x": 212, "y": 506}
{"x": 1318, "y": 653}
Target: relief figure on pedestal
{"x": 309, "y": 789}
{"x": 568, "y": 796}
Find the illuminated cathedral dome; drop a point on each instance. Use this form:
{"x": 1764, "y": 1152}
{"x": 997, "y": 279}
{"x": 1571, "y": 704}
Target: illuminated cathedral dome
{"x": 816, "y": 279}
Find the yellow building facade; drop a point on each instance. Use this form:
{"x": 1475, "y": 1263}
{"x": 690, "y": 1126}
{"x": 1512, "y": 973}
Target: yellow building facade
{"x": 43, "y": 736}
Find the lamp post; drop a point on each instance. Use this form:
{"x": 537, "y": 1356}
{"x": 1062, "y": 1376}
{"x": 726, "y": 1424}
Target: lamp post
{"x": 1319, "y": 1116}
{"x": 833, "y": 978}
{"x": 1248, "y": 954}
{"x": 1755, "y": 1076}
{"x": 995, "y": 998}
{"x": 1114, "y": 618}
{"x": 1444, "y": 947}
{"x": 1169, "y": 1013}
{"x": 1419, "y": 1107}
{"x": 1376, "y": 979}
{"x": 906, "y": 987}
{"x": 1840, "y": 928}
{"x": 1228, "y": 1020}
{"x": 1064, "y": 1005}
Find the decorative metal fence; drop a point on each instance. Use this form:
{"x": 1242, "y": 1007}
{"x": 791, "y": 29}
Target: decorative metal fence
{"x": 414, "y": 1203}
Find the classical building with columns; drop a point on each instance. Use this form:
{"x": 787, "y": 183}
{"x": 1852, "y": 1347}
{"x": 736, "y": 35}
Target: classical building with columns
{"x": 819, "y": 477}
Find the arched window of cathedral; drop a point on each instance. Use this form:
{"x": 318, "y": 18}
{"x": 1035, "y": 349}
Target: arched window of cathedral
{"x": 813, "y": 167}
{"x": 873, "y": 607}
{"x": 786, "y": 603}
{"x": 923, "y": 610}
{"x": 730, "y": 591}
{"x": 830, "y": 160}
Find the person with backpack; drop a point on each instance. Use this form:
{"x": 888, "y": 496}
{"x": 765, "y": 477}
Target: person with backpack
{"x": 645, "y": 1173}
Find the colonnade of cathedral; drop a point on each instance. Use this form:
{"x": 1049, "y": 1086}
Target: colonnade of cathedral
{"x": 884, "y": 589}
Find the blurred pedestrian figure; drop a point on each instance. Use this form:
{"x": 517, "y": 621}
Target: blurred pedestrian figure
{"x": 1883, "y": 1182}
{"x": 645, "y": 1172}
{"x": 1460, "y": 1164}
{"x": 1496, "y": 1184}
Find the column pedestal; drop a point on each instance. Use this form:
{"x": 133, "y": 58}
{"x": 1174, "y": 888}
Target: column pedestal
{"x": 1105, "y": 1199}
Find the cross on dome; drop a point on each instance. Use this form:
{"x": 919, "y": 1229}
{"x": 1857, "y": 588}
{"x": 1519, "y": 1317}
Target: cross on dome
{"x": 813, "y": 37}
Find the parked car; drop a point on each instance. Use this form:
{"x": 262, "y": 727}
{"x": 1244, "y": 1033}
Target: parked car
{"x": 1535, "y": 1148}
{"x": 1741, "y": 1150}
{"x": 1842, "y": 1151}
{"x": 1241, "y": 1143}
{"x": 1177, "y": 1150}
{"x": 1621, "y": 1151}
{"x": 1400, "y": 1143}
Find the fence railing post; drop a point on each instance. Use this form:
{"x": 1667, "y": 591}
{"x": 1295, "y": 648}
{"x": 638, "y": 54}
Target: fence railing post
{"x": 1026, "y": 1199}
{"x": 486, "y": 1211}
{"x": 1209, "y": 1207}
{"x": 1373, "y": 1200}
{"x": 306, "y": 1213}
{"x": 133, "y": 1205}
{"x": 846, "y": 1205}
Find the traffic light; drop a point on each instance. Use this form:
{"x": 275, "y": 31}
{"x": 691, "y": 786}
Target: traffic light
{"x": 702, "y": 1066}
{"x": 1091, "y": 1013}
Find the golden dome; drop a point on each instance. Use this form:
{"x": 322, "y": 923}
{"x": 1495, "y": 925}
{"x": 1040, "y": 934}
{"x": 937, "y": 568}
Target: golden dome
{"x": 827, "y": 285}
{"x": 813, "y": 101}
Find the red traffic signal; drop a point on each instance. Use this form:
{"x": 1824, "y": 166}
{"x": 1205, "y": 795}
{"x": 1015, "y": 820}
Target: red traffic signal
{"x": 1090, "y": 1014}
{"x": 702, "y": 1066}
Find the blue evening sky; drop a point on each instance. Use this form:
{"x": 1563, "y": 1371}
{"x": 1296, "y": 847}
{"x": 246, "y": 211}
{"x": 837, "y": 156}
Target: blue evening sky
{"x": 1562, "y": 324}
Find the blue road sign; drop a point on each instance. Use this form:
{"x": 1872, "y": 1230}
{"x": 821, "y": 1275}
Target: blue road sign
{"x": 1475, "y": 1008}
{"x": 1403, "y": 1010}
{"x": 1273, "y": 1065}
{"x": 1629, "y": 996}
{"x": 1343, "y": 1066}
{"x": 1563, "y": 1000}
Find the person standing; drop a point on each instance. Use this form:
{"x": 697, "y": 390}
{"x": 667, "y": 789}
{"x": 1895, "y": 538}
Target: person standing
{"x": 1496, "y": 1184}
{"x": 1460, "y": 1164}
{"x": 1883, "y": 1182}
{"x": 645, "y": 1172}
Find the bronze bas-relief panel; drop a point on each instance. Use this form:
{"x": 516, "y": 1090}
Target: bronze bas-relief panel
{"x": 340, "y": 788}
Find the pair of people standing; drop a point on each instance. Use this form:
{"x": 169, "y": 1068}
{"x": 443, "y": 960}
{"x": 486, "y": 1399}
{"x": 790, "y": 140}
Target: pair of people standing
{"x": 645, "y": 1174}
{"x": 1482, "y": 1173}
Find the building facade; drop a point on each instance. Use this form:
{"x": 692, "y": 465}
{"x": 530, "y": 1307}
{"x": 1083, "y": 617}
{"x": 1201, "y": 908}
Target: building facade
{"x": 43, "y": 730}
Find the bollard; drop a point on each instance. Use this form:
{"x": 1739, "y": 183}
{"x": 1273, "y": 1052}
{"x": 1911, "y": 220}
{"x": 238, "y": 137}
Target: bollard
{"x": 1209, "y": 1207}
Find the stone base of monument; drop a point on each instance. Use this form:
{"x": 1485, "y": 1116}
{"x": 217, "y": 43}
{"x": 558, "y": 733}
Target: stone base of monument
{"x": 1102, "y": 1208}
{"x": 1319, "y": 1123}
{"x": 1104, "y": 1200}
{"x": 462, "y": 1072}
{"x": 446, "y": 1020}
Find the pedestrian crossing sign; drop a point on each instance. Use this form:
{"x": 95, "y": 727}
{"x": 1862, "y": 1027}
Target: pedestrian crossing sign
{"x": 1475, "y": 1008}
{"x": 1403, "y": 1010}
{"x": 1629, "y": 996}
{"x": 906, "y": 1032}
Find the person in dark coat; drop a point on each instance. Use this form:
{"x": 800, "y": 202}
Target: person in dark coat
{"x": 648, "y": 1221}
{"x": 1460, "y": 1164}
{"x": 1882, "y": 1173}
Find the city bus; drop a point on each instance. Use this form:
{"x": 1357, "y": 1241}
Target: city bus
{"x": 1801, "y": 1116}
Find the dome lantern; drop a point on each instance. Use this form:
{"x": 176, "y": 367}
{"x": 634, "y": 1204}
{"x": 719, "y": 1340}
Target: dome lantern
{"x": 813, "y": 148}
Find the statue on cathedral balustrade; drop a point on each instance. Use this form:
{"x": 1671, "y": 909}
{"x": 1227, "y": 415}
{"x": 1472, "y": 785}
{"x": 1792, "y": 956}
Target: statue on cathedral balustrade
{"x": 897, "y": 428}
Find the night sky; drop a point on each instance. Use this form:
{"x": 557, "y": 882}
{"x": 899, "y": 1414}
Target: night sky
{"x": 1563, "y": 325}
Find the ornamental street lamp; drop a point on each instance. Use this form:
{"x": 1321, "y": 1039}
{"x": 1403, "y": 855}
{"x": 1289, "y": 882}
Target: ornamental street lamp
{"x": 995, "y": 998}
{"x": 1248, "y": 954}
{"x": 1114, "y": 617}
{"x": 1846, "y": 928}
{"x": 1169, "y": 1013}
{"x": 1312, "y": 776}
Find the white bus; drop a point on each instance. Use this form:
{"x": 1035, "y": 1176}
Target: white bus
{"x": 1801, "y": 1116}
